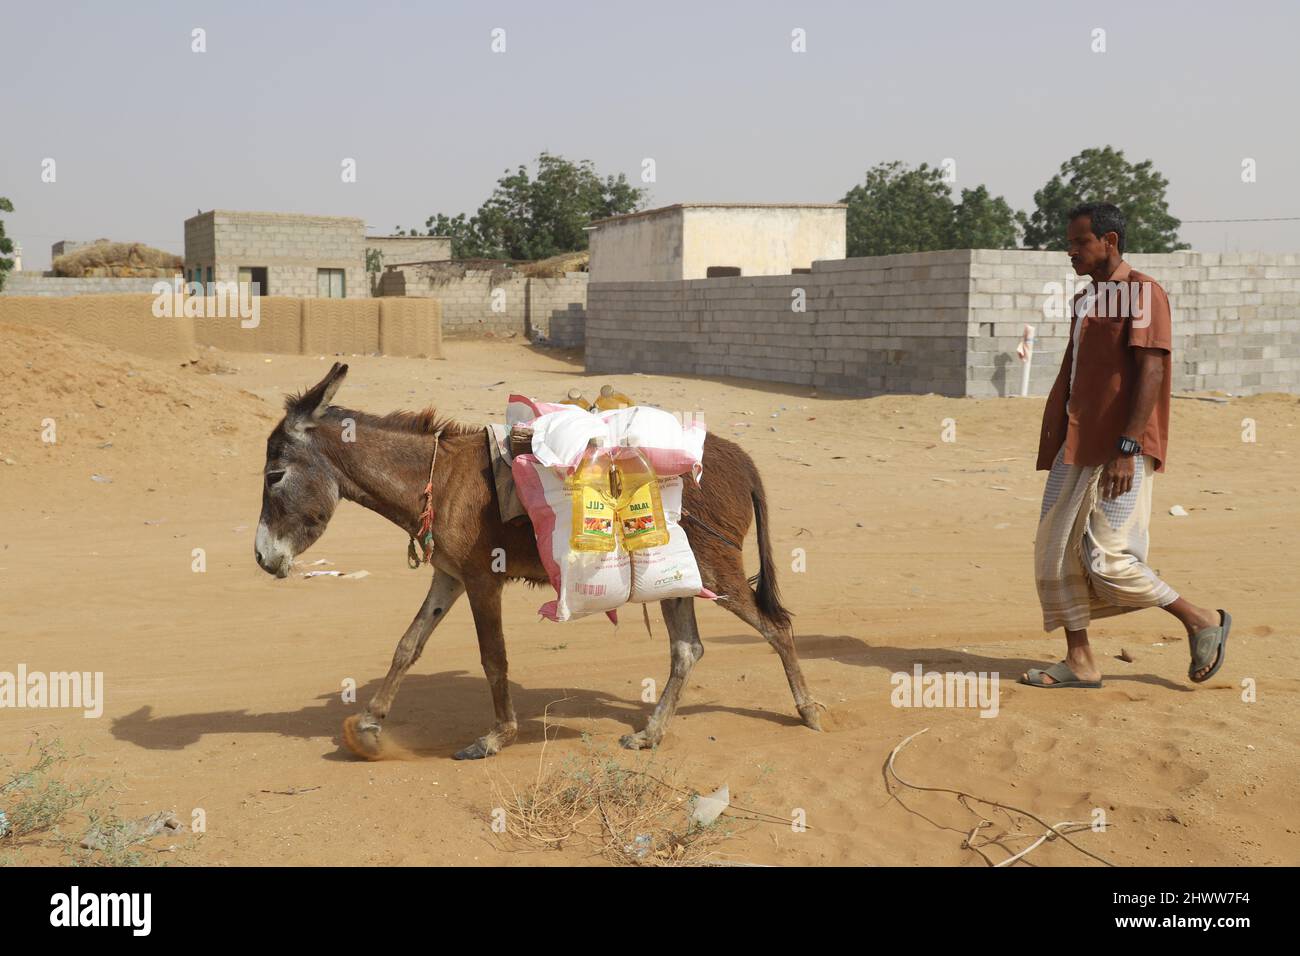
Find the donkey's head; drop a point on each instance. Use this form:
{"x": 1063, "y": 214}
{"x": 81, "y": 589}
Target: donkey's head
{"x": 299, "y": 487}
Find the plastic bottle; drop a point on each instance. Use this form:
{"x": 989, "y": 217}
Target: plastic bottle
{"x": 636, "y": 495}
{"x": 594, "y": 507}
{"x": 609, "y": 399}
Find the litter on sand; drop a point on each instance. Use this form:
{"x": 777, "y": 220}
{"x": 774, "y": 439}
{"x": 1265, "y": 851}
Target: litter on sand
{"x": 706, "y": 809}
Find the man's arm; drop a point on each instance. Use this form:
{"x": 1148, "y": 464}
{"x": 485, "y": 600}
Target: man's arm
{"x": 1151, "y": 375}
{"x": 1117, "y": 479}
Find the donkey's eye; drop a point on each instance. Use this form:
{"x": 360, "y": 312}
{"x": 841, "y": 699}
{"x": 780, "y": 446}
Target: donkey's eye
{"x": 273, "y": 478}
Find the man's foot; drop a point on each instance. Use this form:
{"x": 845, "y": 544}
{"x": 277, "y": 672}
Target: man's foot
{"x": 1081, "y": 664}
{"x": 1209, "y": 644}
{"x": 1202, "y": 620}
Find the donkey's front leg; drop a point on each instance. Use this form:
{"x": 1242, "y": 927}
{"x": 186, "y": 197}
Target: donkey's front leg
{"x": 485, "y": 601}
{"x": 361, "y": 731}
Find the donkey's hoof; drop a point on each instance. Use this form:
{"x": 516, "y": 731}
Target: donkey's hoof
{"x": 638, "y": 741}
{"x": 483, "y": 747}
{"x": 811, "y": 714}
{"x": 361, "y": 736}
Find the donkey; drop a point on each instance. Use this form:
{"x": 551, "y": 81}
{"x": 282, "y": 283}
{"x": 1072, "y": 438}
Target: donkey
{"x": 320, "y": 453}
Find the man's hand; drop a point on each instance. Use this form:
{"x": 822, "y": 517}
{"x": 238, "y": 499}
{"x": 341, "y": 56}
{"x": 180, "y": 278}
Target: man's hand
{"x": 1117, "y": 477}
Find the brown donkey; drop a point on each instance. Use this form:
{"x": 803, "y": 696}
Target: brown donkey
{"x": 320, "y": 453}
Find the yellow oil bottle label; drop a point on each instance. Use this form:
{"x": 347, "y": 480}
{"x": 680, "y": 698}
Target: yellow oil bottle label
{"x": 596, "y": 516}
{"x": 642, "y": 519}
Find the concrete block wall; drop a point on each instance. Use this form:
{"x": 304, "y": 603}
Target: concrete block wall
{"x": 472, "y": 304}
{"x": 34, "y": 283}
{"x": 396, "y": 250}
{"x": 561, "y": 297}
{"x": 869, "y": 326}
{"x": 568, "y": 329}
{"x": 1236, "y": 318}
{"x": 945, "y": 322}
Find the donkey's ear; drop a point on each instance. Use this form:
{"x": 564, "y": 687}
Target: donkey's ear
{"x": 310, "y": 406}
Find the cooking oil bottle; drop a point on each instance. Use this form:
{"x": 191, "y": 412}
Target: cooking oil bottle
{"x": 610, "y": 399}
{"x": 575, "y": 398}
{"x": 635, "y": 491}
{"x": 594, "y": 507}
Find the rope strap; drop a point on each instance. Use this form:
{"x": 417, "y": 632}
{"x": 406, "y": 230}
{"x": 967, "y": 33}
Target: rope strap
{"x": 415, "y": 558}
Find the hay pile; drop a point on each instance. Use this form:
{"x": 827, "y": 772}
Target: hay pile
{"x": 556, "y": 266}
{"x": 117, "y": 259}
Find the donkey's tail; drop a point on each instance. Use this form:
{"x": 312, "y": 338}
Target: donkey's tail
{"x": 764, "y": 583}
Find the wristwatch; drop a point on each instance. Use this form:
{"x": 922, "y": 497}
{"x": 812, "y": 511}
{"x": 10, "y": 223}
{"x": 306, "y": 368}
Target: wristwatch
{"x": 1128, "y": 446}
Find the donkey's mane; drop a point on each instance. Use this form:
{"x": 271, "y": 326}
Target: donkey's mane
{"x": 425, "y": 422}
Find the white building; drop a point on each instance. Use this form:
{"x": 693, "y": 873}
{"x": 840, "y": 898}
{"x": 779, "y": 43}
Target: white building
{"x": 700, "y": 240}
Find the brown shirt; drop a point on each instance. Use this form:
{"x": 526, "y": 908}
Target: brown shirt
{"x": 1089, "y": 415}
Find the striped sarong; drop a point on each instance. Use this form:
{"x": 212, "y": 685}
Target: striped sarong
{"x": 1090, "y": 554}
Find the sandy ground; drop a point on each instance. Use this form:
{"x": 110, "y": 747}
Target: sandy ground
{"x": 224, "y": 685}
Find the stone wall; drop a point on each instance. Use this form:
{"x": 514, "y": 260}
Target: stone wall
{"x": 945, "y": 322}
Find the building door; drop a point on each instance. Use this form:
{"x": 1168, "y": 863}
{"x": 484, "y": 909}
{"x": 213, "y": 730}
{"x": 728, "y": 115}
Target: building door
{"x": 255, "y": 276}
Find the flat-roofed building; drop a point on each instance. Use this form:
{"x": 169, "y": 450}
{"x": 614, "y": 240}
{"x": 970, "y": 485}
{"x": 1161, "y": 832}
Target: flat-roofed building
{"x": 699, "y": 240}
{"x": 283, "y": 253}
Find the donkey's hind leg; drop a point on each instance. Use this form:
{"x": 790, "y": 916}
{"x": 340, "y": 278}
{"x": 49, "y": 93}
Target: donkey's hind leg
{"x": 361, "y": 731}
{"x": 735, "y": 595}
{"x": 686, "y": 649}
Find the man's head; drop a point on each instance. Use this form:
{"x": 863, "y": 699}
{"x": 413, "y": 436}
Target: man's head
{"x": 1094, "y": 237}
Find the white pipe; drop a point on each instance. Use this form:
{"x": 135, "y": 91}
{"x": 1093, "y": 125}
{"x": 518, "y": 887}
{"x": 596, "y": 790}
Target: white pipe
{"x": 1026, "y": 352}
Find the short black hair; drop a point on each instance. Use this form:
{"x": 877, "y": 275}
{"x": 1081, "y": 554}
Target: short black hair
{"x": 1104, "y": 217}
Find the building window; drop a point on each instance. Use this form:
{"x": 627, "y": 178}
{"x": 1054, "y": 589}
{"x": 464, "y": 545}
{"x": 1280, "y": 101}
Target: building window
{"x": 209, "y": 283}
{"x": 329, "y": 284}
{"x": 722, "y": 272}
{"x": 255, "y": 277}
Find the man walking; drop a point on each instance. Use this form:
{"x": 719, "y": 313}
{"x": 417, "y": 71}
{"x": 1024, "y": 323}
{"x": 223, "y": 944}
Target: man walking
{"x": 1103, "y": 439}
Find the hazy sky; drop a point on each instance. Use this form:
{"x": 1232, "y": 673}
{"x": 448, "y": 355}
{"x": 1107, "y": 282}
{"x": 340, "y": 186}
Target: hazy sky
{"x": 145, "y": 132}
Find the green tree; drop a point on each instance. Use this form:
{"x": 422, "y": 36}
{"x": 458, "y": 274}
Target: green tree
{"x": 899, "y": 209}
{"x": 6, "y": 245}
{"x": 533, "y": 217}
{"x": 981, "y": 221}
{"x": 1104, "y": 175}
{"x": 466, "y": 243}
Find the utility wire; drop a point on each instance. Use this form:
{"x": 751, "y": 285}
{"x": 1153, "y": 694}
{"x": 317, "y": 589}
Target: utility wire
{"x": 1272, "y": 219}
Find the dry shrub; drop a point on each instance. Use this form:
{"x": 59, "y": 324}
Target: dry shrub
{"x": 450, "y": 270}
{"x": 627, "y": 807}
